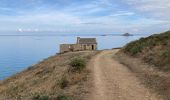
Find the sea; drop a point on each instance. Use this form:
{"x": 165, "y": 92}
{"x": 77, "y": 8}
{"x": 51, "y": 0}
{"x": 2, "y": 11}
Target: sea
{"x": 18, "y": 52}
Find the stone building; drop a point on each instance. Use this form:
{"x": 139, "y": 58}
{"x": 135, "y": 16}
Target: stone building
{"x": 81, "y": 45}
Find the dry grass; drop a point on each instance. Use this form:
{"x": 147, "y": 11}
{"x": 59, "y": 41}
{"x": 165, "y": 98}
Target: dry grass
{"x": 154, "y": 50}
{"x": 44, "y": 79}
{"x": 149, "y": 58}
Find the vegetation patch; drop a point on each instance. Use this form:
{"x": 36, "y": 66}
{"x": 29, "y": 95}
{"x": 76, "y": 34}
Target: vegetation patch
{"x": 64, "y": 82}
{"x": 154, "y": 50}
{"x": 63, "y": 97}
{"x": 38, "y": 97}
{"x": 165, "y": 54}
{"x": 134, "y": 48}
{"x": 77, "y": 64}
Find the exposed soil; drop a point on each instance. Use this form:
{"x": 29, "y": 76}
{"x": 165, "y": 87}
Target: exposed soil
{"x": 153, "y": 78}
{"x": 114, "y": 81}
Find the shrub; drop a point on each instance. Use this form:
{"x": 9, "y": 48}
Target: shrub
{"x": 165, "y": 54}
{"x": 77, "y": 64}
{"x": 133, "y": 48}
{"x": 136, "y": 49}
{"x": 38, "y": 97}
{"x": 45, "y": 98}
{"x": 62, "y": 97}
{"x": 64, "y": 83}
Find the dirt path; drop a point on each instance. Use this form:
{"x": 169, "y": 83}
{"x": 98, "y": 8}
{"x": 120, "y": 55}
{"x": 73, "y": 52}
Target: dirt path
{"x": 113, "y": 81}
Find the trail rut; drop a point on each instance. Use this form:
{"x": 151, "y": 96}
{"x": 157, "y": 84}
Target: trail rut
{"x": 114, "y": 81}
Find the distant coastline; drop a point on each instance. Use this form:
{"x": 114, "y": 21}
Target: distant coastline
{"x": 72, "y": 35}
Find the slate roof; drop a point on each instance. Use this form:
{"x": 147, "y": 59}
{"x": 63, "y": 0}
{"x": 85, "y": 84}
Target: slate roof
{"x": 87, "y": 41}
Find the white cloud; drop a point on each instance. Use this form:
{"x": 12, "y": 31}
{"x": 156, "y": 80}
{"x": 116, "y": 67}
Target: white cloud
{"x": 122, "y": 14}
{"x": 154, "y": 8}
{"x": 53, "y": 18}
{"x": 66, "y": 22}
{"x": 85, "y": 18}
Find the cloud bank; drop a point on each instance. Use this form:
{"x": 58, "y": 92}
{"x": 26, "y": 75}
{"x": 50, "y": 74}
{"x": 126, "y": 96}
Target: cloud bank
{"x": 86, "y": 16}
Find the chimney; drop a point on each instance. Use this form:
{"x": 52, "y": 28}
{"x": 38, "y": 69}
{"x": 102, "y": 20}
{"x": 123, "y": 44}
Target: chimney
{"x": 78, "y": 38}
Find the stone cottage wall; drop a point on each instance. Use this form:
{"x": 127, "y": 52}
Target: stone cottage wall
{"x": 64, "y": 48}
{"x": 70, "y": 47}
{"x": 89, "y": 46}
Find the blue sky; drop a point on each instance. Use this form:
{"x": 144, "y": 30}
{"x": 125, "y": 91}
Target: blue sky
{"x": 85, "y": 16}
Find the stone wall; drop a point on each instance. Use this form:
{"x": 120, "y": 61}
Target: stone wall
{"x": 64, "y": 48}
{"x": 70, "y": 47}
{"x": 89, "y": 46}
{"x": 77, "y": 47}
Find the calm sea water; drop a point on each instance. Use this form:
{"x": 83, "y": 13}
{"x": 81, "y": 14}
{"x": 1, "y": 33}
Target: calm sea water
{"x": 19, "y": 52}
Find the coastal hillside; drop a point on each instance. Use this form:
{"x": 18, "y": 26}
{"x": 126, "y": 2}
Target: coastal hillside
{"x": 154, "y": 50}
{"x": 149, "y": 59}
{"x": 60, "y": 77}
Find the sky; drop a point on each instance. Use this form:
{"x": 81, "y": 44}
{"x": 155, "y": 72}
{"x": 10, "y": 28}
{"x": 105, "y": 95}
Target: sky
{"x": 85, "y": 16}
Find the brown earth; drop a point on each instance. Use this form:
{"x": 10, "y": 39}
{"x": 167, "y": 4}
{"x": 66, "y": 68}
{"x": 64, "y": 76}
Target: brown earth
{"x": 114, "y": 81}
{"x": 156, "y": 80}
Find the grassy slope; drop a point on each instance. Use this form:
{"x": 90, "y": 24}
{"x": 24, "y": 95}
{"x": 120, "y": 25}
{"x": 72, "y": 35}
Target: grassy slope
{"x": 149, "y": 59}
{"x": 44, "y": 79}
{"x": 154, "y": 50}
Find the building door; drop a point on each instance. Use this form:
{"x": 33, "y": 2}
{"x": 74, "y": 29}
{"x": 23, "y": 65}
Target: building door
{"x": 92, "y": 47}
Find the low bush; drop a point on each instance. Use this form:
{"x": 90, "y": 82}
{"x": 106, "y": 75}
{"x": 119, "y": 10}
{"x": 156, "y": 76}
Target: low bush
{"x": 38, "y": 97}
{"x": 133, "y": 48}
{"x": 136, "y": 47}
{"x": 62, "y": 97}
{"x": 77, "y": 64}
{"x": 165, "y": 53}
{"x": 63, "y": 83}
